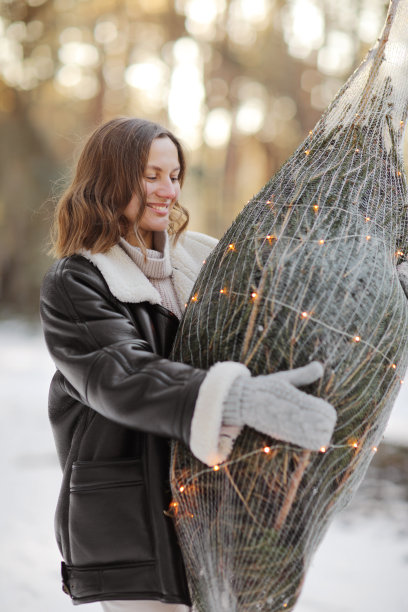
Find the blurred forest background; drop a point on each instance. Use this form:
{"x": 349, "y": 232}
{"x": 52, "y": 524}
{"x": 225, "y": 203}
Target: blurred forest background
{"x": 241, "y": 82}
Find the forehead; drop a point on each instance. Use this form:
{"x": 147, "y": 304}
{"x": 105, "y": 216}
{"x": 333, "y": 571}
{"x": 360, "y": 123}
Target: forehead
{"x": 163, "y": 151}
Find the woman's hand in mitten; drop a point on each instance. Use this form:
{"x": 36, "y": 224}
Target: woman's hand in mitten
{"x": 273, "y": 405}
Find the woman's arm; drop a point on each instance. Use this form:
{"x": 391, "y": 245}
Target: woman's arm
{"x": 102, "y": 355}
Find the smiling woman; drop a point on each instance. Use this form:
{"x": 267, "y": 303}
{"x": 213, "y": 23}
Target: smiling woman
{"x": 110, "y": 308}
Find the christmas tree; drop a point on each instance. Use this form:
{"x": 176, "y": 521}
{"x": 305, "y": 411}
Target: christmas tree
{"x": 306, "y": 272}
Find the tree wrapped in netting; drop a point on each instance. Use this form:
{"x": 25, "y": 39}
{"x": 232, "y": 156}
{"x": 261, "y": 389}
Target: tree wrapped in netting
{"x": 307, "y": 271}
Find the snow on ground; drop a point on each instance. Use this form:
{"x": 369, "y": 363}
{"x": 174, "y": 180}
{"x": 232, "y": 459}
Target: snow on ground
{"x": 361, "y": 566}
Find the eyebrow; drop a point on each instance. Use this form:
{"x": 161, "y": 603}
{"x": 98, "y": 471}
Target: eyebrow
{"x": 161, "y": 169}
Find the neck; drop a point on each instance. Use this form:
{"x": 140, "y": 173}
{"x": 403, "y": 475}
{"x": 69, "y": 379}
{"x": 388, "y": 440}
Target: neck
{"x": 146, "y": 236}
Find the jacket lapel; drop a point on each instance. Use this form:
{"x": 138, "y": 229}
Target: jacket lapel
{"x": 128, "y": 283}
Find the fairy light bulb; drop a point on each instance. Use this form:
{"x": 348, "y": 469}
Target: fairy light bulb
{"x": 195, "y": 297}
{"x": 356, "y": 339}
{"x": 254, "y": 295}
{"x": 321, "y": 241}
{"x": 374, "y": 449}
{"x": 231, "y": 247}
{"x": 223, "y": 291}
{"x": 216, "y": 468}
{"x": 315, "y": 207}
{"x": 367, "y": 218}
{"x": 304, "y": 315}
{"x": 307, "y": 152}
{"x": 323, "y": 449}
{"x": 394, "y": 366}
{"x": 368, "y": 238}
{"x": 266, "y": 449}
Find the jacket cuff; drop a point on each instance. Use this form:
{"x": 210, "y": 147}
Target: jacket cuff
{"x": 211, "y": 442}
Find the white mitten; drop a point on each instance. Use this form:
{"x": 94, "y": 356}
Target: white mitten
{"x": 273, "y": 405}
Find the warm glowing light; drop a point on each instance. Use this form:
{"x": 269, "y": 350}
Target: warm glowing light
{"x": 224, "y": 290}
{"x": 399, "y": 173}
{"x": 315, "y": 207}
{"x": 217, "y": 131}
{"x": 401, "y": 382}
{"x": 356, "y": 339}
{"x": 321, "y": 241}
{"x": 270, "y": 238}
{"x": 368, "y": 218}
{"x": 323, "y": 449}
{"x": 307, "y": 152}
{"x": 368, "y": 238}
{"x": 231, "y": 247}
{"x": 311, "y": 133}
{"x": 394, "y": 366}
{"x": 357, "y": 150}
{"x": 353, "y": 443}
{"x": 266, "y": 449}
{"x": 399, "y": 253}
{"x": 181, "y": 489}
{"x": 254, "y": 295}
{"x": 375, "y": 449}
{"x": 195, "y": 297}
{"x": 216, "y": 468}
{"x": 304, "y": 315}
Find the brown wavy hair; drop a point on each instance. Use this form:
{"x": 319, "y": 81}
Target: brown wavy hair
{"x": 89, "y": 215}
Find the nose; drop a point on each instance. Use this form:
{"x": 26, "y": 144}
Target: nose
{"x": 166, "y": 189}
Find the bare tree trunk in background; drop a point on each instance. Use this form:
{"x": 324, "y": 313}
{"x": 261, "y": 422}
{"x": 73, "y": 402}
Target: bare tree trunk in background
{"x": 27, "y": 170}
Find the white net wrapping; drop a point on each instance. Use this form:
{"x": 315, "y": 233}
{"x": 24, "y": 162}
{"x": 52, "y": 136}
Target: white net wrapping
{"x": 307, "y": 271}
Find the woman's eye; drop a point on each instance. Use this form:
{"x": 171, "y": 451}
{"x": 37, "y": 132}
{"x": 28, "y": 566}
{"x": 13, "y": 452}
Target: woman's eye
{"x": 175, "y": 179}
{"x": 150, "y": 178}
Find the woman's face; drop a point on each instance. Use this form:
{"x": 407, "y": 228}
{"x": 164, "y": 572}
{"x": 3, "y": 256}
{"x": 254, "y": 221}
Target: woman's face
{"x": 161, "y": 182}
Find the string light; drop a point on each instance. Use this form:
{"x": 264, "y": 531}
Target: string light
{"x": 195, "y": 297}
{"x": 315, "y": 207}
{"x": 270, "y": 238}
{"x": 399, "y": 253}
{"x": 357, "y": 150}
{"x": 181, "y": 489}
{"x": 375, "y": 449}
{"x": 368, "y": 238}
{"x": 266, "y": 449}
{"x": 356, "y": 339}
{"x": 323, "y": 449}
{"x": 224, "y": 290}
{"x": 394, "y": 366}
{"x": 304, "y": 315}
{"x": 254, "y": 295}
{"x": 321, "y": 241}
{"x": 307, "y": 152}
{"x": 368, "y": 218}
{"x": 231, "y": 247}
{"x": 216, "y": 468}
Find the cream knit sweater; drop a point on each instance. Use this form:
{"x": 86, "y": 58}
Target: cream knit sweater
{"x": 158, "y": 269}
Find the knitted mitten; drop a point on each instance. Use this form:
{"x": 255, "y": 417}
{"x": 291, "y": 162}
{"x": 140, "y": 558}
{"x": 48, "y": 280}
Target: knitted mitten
{"x": 273, "y": 405}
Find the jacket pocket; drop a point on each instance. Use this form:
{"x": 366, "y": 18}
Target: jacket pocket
{"x": 108, "y": 518}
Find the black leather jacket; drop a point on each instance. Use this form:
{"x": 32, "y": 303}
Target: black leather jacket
{"x": 114, "y": 403}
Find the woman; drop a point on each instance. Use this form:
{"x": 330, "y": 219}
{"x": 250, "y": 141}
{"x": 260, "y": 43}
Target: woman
{"x": 110, "y": 308}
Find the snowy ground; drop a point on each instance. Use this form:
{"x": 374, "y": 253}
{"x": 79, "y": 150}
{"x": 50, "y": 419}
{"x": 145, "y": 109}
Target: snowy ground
{"x": 361, "y": 566}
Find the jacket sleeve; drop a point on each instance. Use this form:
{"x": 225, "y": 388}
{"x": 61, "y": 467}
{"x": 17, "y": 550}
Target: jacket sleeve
{"x": 101, "y": 353}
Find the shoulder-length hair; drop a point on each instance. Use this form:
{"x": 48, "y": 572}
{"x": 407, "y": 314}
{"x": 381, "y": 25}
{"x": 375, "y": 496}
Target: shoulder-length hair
{"x": 109, "y": 172}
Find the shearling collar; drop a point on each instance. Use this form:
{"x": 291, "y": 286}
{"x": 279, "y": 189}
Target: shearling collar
{"x": 128, "y": 283}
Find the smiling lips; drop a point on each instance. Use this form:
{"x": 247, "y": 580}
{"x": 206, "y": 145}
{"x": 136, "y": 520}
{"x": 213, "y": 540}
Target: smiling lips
{"x": 160, "y": 209}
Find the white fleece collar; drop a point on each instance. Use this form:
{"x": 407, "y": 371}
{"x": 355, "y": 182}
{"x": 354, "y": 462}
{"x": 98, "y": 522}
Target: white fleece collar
{"x": 128, "y": 283}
